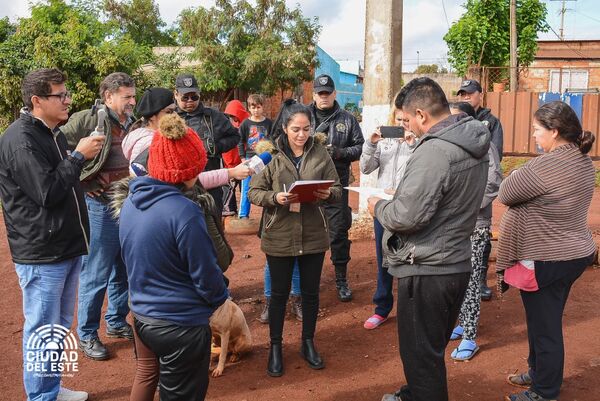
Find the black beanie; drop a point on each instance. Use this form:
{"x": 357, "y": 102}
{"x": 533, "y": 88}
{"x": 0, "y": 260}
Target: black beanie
{"x": 154, "y": 100}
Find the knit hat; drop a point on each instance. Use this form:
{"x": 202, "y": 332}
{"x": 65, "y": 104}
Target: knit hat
{"x": 154, "y": 100}
{"x": 176, "y": 153}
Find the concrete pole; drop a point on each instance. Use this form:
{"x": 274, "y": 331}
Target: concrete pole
{"x": 514, "y": 73}
{"x": 383, "y": 70}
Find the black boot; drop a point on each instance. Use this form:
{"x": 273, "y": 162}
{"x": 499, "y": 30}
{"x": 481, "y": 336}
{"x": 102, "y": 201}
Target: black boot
{"x": 275, "y": 366}
{"x": 310, "y": 354}
{"x": 486, "y": 292}
{"x": 343, "y": 290}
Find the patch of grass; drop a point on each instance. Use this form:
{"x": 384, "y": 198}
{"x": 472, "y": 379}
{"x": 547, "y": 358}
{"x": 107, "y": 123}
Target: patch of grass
{"x": 597, "y": 178}
{"x": 510, "y": 163}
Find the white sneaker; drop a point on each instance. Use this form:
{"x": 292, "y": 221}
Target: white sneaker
{"x": 64, "y": 394}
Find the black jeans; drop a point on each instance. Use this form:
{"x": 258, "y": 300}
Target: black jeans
{"x": 544, "y": 310}
{"x": 183, "y": 355}
{"x": 428, "y": 307}
{"x": 339, "y": 216}
{"x": 281, "y": 269}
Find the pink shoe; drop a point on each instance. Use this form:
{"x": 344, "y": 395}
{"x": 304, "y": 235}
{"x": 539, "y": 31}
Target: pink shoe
{"x": 374, "y": 322}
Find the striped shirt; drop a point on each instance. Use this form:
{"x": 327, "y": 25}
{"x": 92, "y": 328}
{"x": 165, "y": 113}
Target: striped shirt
{"x": 548, "y": 198}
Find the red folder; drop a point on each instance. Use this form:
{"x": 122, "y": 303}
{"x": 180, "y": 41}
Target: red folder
{"x": 305, "y": 189}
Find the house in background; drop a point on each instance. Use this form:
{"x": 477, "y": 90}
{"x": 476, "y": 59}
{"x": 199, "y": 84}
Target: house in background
{"x": 564, "y": 66}
{"x": 348, "y": 78}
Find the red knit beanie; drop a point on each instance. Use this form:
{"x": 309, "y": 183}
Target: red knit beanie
{"x": 176, "y": 153}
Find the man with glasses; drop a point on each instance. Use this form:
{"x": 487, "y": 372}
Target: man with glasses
{"x": 213, "y": 127}
{"x": 46, "y": 219}
{"x": 103, "y": 269}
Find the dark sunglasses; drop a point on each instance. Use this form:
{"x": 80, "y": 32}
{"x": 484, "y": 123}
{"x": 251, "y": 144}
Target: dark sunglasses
{"x": 62, "y": 96}
{"x": 192, "y": 98}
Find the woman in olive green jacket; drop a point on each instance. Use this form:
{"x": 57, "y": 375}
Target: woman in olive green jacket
{"x": 294, "y": 230}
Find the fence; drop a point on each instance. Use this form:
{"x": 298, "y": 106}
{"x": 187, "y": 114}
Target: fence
{"x": 515, "y": 111}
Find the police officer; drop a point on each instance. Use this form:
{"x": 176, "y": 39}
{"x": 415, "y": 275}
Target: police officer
{"x": 470, "y": 91}
{"x": 344, "y": 142}
{"x": 213, "y": 127}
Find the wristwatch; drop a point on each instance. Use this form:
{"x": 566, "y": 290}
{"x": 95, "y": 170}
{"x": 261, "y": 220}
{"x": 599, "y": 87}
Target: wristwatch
{"x": 77, "y": 157}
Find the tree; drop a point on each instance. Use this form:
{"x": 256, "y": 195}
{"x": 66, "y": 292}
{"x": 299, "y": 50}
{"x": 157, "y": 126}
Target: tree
{"x": 72, "y": 39}
{"x": 481, "y": 36}
{"x": 141, "y": 20}
{"x": 430, "y": 69}
{"x": 258, "y": 48}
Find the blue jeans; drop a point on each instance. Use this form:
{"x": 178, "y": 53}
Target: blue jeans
{"x": 49, "y": 292}
{"x": 244, "y": 202}
{"x": 384, "y": 295}
{"x": 295, "y": 280}
{"x": 103, "y": 271}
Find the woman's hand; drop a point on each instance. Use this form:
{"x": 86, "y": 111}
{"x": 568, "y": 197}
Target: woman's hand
{"x": 410, "y": 138}
{"x": 376, "y": 137}
{"x": 240, "y": 172}
{"x": 285, "y": 198}
{"x": 322, "y": 194}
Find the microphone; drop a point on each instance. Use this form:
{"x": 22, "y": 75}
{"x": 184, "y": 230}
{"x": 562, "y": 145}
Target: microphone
{"x": 99, "y": 130}
{"x": 258, "y": 162}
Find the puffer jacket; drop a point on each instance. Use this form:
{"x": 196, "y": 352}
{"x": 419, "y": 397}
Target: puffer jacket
{"x": 343, "y": 132}
{"x": 120, "y": 191}
{"x": 136, "y": 142}
{"x": 286, "y": 233}
{"x": 494, "y": 125}
{"x": 429, "y": 221}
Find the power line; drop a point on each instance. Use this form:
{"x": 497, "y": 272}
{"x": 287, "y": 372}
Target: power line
{"x": 445, "y": 14}
{"x": 583, "y": 56}
{"x": 587, "y": 16}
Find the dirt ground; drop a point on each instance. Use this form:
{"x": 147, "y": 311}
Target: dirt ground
{"x": 361, "y": 365}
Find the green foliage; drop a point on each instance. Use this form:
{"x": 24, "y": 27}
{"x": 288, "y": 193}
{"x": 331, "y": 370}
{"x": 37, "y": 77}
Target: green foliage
{"x": 597, "y": 178}
{"x": 430, "y": 69}
{"x": 141, "y": 20}
{"x": 511, "y": 163}
{"x": 482, "y": 35}
{"x": 71, "y": 38}
{"x": 258, "y": 48}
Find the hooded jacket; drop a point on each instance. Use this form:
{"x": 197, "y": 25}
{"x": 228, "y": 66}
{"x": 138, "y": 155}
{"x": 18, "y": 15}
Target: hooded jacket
{"x": 171, "y": 262}
{"x": 487, "y": 118}
{"x": 494, "y": 179}
{"x": 215, "y": 130}
{"x": 42, "y": 201}
{"x": 231, "y": 158}
{"x": 286, "y": 233}
{"x": 429, "y": 221}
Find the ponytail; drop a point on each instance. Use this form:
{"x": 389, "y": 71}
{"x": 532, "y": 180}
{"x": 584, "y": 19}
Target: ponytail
{"x": 289, "y": 108}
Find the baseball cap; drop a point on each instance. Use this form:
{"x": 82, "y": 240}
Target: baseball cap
{"x": 323, "y": 83}
{"x": 469, "y": 86}
{"x": 186, "y": 83}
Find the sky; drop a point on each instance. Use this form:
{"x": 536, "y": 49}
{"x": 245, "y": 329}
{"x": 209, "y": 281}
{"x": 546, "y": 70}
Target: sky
{"x": 425, "y": 24}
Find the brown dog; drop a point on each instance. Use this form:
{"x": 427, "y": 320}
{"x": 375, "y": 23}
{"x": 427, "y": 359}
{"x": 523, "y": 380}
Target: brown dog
{"x": 229, "y": 328}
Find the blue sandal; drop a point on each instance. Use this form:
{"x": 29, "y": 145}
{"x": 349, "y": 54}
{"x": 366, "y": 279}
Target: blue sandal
{"x": 465, "y": 351}
{"x": 457, "y": 333}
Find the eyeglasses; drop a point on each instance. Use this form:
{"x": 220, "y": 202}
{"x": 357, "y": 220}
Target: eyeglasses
{"x": 190, "y": 98}
{"x": 62, "y": 96}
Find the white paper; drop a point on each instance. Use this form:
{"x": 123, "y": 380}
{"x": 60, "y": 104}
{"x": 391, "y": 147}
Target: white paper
{"x": 369, "y": 191}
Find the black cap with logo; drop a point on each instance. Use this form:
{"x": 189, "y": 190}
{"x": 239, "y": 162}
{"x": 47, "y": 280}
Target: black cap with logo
{"x": 186, "y": 83}
{"x": 469, "y": 86}
{"x": 323, "y": 83}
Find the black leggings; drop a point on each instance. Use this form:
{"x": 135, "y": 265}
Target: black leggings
{"x": 281, "y": 269}
{"x": 183, "y": 357}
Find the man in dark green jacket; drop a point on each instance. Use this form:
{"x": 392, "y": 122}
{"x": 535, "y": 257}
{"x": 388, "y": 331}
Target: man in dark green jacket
{"x": 103, "y": 269}
{"x": 428, "y": 224}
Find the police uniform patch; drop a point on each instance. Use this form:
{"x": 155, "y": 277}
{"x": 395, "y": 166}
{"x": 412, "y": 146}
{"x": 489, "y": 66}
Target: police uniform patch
{"x": 187, "y": 82}
{"x": 486, "y": 123}
{"x": 466, "y": 83}
{"x": 340, "y": 127}
{"x": 323, "y": 80}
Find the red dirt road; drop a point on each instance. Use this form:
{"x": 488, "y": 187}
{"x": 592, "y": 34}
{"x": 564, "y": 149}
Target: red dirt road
{"x": 360, "y": 365}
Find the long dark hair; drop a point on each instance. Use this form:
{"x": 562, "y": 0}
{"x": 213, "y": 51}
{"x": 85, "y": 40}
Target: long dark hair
{"x": 289, "y": 108}
{"x": 561, "y": 117}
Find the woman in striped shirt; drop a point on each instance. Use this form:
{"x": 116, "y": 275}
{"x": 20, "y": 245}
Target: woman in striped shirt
{"x": 545, "y": 243}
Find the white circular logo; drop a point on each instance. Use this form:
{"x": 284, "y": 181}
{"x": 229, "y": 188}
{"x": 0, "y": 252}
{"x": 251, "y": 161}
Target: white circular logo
{"x": 51, "y": 350}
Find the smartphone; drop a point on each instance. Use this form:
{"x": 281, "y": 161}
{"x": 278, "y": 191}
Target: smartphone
{"x": 391, "y": 132}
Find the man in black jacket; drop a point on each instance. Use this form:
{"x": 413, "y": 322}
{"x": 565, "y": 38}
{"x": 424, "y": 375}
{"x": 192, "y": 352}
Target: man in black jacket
{"x": 344, "y": 142}
{"x": 46, "y": 223}
{"x": 470, "y": 91}
{"x": 213, "y": 127}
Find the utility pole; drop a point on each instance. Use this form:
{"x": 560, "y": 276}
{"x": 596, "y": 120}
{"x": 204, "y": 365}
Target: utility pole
{"x": 514, "y": 73}
{"x": 562, "y": 12}
{"x": 418, "y": 63}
